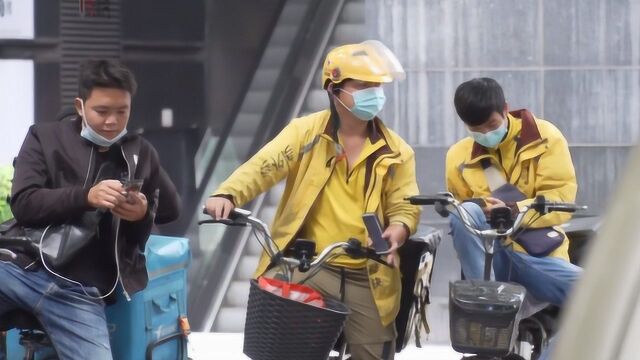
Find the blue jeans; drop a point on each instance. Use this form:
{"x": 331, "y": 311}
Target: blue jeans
{"x": 547, "y": 279}
{"x": 75, "y": 323}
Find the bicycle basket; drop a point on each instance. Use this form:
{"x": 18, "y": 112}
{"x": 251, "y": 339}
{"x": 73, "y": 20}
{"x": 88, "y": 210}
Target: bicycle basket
{"x": 278, "y": 328}
{"x": 484, "y": 316}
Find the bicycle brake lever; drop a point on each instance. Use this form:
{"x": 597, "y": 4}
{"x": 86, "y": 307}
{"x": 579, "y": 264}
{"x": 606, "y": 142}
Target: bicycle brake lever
{"x": 354, "y": 249}
{"x": 357, "y": 251}
{"x": 442, "y": 210}
{"x": 373, "y": 255}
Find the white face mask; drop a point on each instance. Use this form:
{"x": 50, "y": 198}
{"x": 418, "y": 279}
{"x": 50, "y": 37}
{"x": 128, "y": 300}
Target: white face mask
{"x": 90, "y": 134}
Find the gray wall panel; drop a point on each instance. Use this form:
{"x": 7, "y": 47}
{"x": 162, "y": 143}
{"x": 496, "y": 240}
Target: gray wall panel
{"x": 421, "y": 107}
{"x": 594, "y": 106}
{"x": 592, "y": 32}
{"x": 471, "y": 33}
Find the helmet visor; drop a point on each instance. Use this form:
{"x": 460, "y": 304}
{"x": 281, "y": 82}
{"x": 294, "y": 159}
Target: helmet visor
{"x": 381, "y": 60}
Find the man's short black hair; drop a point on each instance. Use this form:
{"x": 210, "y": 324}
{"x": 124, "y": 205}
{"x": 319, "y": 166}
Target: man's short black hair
{"x": 475, "y": 100}
{"x": 104, "y": 74}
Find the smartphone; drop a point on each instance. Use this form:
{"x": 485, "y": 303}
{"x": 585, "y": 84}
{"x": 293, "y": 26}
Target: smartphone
{"x": 132, "y": 185}
{"x": 374, "y": 229}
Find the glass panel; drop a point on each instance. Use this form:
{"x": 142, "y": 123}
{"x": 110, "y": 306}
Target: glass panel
{"x": 16, "y": 105}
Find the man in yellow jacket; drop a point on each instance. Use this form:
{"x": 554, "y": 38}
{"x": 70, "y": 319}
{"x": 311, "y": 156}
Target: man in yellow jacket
{"x": 530, "y": 157}
{"x": 339, "y": 164}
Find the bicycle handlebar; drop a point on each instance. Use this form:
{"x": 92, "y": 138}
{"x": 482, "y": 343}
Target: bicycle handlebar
{"x": 442, "y": 198}
{"x": 540, "y": 204}
{"x": 242, "y": 217}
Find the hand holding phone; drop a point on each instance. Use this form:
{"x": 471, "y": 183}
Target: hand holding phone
{"x": 131, "y": 186}
{"x": 374, "y": 229}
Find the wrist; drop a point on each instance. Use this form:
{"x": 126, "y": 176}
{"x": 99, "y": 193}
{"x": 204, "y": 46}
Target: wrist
{"x": 405, "y": 227}
{"x": 225, "y": 196}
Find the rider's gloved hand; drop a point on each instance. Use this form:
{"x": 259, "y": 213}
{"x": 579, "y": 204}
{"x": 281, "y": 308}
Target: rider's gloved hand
{"x": 219, "y": 207}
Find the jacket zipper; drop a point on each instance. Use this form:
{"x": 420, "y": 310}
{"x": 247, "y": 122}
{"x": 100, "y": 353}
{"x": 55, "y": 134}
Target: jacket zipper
{"x": 375, "y": 174}
{"x": 526, "y": 147}
{"x": 517, "y": 160}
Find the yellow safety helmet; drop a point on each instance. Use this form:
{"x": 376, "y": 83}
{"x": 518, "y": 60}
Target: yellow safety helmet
{"x": 370, "y": 61}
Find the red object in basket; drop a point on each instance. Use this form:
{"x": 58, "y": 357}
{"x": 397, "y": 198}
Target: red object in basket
{"x": 296, "y": 292}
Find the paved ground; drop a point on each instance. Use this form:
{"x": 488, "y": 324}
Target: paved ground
{"x": 210, "y": 346}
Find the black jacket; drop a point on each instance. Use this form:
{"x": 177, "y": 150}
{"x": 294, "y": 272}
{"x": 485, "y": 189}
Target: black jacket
{"x": 169, "y": 204}
{"x": 52, "y": 181}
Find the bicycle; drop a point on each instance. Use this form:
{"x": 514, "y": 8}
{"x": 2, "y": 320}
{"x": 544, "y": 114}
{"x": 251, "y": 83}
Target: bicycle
{"x": 280, "y": 328}
{"x": 485, "y": 316}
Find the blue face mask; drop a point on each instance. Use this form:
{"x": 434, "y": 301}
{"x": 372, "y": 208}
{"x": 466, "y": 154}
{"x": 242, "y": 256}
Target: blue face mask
{"x": 367, "y": 103}
{"x": 93, "y": 136}
{"x": 492, "y": 138}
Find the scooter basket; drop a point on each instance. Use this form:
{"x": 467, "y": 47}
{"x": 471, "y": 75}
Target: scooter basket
{"x": 278, "y": 328}
{"x": 484, "y": 316}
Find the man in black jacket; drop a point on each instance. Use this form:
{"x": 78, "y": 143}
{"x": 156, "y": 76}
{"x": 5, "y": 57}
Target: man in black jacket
{"x": 64, "y": 170}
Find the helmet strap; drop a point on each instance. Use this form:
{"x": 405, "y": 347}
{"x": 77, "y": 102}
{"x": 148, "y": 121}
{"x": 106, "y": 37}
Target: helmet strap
{"x": 335, "y": 118}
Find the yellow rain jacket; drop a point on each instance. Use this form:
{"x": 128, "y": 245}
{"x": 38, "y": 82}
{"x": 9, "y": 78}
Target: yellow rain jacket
{"x": 305, "y": 153}
{"x": 534, "y": 157}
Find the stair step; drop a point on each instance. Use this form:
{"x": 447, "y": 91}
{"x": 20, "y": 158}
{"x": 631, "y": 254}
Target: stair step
{"x": 349, "y": 33}
{"x": 268, "y": 213}
{"x": 237, "y": 294}
{"x": 240, "y": 145}
{"x": 253, "y": 248}
{"x": 246, "y": 124}
{"x": 230, "y": 320}
{"x": 255, "y": 101}
{"x": 353, "y": 12}
{"x": 293, "y": 12}
{"x": 274, "y": 56}
{"x": 283, "y": 35}
{"x": 317, "y": 99}
{"x": 248, "y": 264}
{"x": 265, "y": 78}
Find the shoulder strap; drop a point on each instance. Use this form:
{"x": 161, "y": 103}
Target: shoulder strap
{"x": 495, "y": 178}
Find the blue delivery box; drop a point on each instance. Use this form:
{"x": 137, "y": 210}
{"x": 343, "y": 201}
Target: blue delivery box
{"x": 149, "y": 326}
